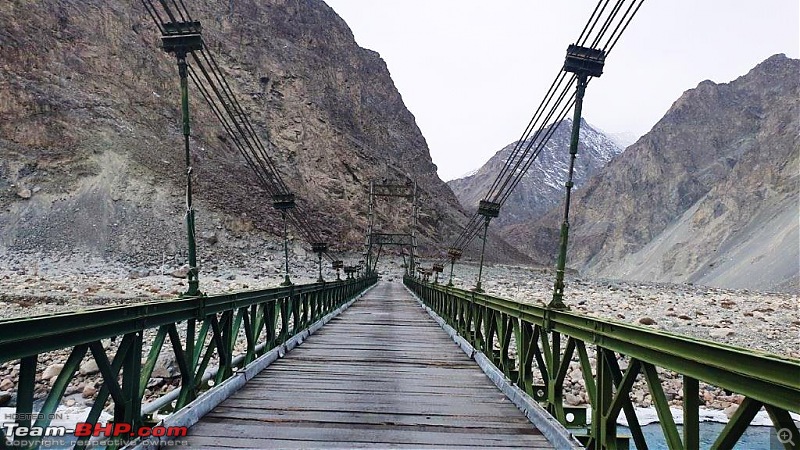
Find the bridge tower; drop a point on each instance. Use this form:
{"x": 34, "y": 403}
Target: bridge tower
{"x": 182, "y": 38}
{"x": 584, "y": 62}
{"x": 376, "y": 240}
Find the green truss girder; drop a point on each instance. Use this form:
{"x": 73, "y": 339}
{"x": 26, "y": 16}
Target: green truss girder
{"x": 38, "y": 334}
{"x": 222, "y": 318}
{"x": 768, "y": 378}
{"x": 762, "y": 378}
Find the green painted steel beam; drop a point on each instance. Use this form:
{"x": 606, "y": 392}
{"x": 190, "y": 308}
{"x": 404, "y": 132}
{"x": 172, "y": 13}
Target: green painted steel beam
{"x": 768, "y": 378}
{"x": 739, "y": 422}
{"x": 27, "y": 336}
{"x": 691, "y": 413}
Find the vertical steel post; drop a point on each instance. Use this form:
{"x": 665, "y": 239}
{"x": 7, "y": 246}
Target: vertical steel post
{"x": 452, "y": 263}
{"x": 412, "y": 262}
{"x": 286, "y": 280}
{"x": 319, "y": 259}
{"x": 691, "y": 413}
{"x": 131, "y": 410}
{"x": 477, "y": 287}
{"x": 558, "y": 287}
{"x": 604, "y": 428}
{"x": 26, "y": 390}
{"x": 193, "y": 274}
{"x": 555, "y": 390}
{"x": 370, "y": 225}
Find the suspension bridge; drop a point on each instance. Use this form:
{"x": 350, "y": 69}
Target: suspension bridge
{"x": 363, "y": 362}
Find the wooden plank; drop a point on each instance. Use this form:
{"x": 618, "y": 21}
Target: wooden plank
{"x": 281, "y": 415}
{"x": 380, "y": 374}
{"x": 248, "y": 443}
{"x": 381, "y": 405}
{"x": 355, "y": 422}
{"x": 314, "y": 397}
{"x": 375, "y": 387}
{"x": 350, "y": 434}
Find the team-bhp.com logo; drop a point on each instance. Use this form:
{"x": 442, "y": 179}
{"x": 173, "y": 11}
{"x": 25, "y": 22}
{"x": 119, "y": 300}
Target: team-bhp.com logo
{"x": 20, "y": 434}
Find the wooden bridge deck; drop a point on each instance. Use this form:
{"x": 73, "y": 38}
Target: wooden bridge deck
{"x": 382, "y": 374}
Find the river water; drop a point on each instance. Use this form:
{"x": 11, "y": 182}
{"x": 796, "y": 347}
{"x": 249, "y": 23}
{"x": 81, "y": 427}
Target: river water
{"x": 754, "y": 438}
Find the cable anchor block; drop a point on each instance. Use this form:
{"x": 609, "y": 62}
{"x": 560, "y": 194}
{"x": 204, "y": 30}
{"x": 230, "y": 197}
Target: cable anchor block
{"x": 182, "y": 37}
{"x": 283, "y": 202}
{"x": 584, "y": 61}
{"x": 489, "y": 209}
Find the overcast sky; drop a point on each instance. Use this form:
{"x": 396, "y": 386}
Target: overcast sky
{"x": 473, "y": 71}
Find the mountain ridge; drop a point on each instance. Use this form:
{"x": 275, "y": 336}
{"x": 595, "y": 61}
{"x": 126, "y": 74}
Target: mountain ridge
{"x": 542, "y": 186}
{"x": 680, "y": 205}
{"x": 91, "y": 125}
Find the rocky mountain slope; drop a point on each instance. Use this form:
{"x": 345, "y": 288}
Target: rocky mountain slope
{"x": 90, "y": 145}
{"x": 542, "y": 187}
{"x": 709, "y": 195}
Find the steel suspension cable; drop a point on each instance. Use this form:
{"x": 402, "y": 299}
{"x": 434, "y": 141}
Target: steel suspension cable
{"x": 231, "y": 115}
{"x": 168, "y": 11}
{"x": 607, "y": 23}
{"x": 527, "y": 149}
{"x": 586, "y": 29}
{"x": 512, "y": 174}
{"x": 610, "y": 47}
{"x": 245, "y": 127}
{"x": 531, "y": 126}
{"x": 541, "y": 144}
{"x": 266, "y": 184}
{"x": 153, "y": 15}
{"x": 248, "y": 126}
{"x": 262, "y": 166}
{"x": 180, "y": 12}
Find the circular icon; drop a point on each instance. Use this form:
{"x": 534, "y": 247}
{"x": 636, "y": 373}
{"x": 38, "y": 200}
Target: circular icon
{"x": 785, "y": 436}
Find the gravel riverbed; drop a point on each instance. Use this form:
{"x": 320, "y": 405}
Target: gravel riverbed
{"x": 32, "y": 285}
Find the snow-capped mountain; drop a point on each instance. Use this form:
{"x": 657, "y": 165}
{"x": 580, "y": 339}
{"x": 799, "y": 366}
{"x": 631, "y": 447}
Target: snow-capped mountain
{"x": 709, "y": 195}
{"x": 542, "y": 187}
{"x": 624, "y": 138}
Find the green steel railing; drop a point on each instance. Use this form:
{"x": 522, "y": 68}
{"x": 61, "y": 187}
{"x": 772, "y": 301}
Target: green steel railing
{"x": 520, "y": 339}
{"x": 202, "y": 331}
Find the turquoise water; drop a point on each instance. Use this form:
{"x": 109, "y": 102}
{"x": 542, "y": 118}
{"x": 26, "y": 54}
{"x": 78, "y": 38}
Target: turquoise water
{"x": 754, "y": 438}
